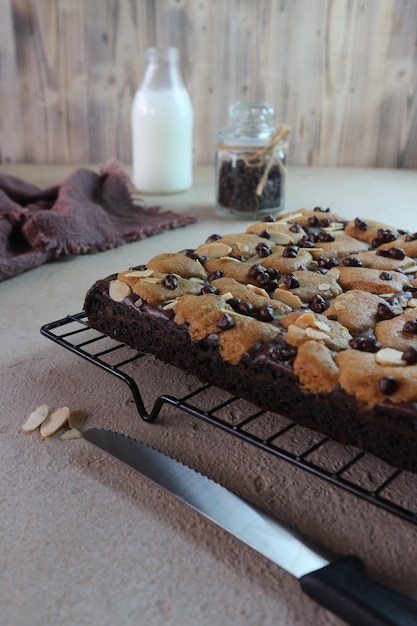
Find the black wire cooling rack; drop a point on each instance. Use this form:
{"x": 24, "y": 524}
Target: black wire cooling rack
{"x": 345, "y": 467}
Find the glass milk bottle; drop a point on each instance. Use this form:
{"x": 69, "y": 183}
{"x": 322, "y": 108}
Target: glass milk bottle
{"x": 162, "y": 126}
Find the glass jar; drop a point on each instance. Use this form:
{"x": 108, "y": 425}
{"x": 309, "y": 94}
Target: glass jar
{"x": 250, "y": 163}
{"x": 162, "y": 126}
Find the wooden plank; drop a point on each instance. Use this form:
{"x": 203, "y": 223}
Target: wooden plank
{"x": 342, "y": 73}
{"x": 11, "y": 136}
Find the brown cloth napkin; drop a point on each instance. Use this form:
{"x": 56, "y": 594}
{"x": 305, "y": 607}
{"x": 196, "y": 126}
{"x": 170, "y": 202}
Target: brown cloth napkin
{"x": 88, "y": 213}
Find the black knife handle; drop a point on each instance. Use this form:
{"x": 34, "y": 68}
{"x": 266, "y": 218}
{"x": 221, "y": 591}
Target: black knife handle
{"x": 344, "y": 588}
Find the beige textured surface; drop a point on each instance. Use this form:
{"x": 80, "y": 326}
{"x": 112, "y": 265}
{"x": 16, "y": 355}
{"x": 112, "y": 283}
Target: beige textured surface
{"x": 86, "y": 541}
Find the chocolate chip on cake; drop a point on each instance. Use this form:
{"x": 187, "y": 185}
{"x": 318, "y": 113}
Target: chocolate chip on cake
{"x": 225, "y": 322}
{"x": 234, "y": 303}
{"x": 245, "y": 307}
{"x": 266, "y": 313}
{"x": 290, "y": 281}
{"x": 213, "y": 237}
{"x": 352, "y": 261}
{"x": 383, "y": 235}
{"x": 327, "y": 263}
{"x": 305, "y": 242}
{"x": 170, "y": 281}
{"x": 385, "y": 276}
{"x": 265, "y": 234}
{"x": 318, "y": 304}
{"x": 313, "y": 220}
{"x": 396, "y": 253}
{"x": 259, "y": 274}
{"x": 365, "y": 344}
{"x": 208, "y": 289}
{"x": 384, "y": 312}
{"x": 290, "y": 252}
{"x": 410, "y": 288}
{"x": 410, "y": 355}
{"x": 410, "y": 327}
{"x": 263, "y": 250}
{"x": 361, "y": 224}
{"x": 324, "y": 236}
{"x": 388, "y": 385}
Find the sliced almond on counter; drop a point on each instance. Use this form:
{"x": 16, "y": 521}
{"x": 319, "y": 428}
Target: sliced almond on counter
{"x": 72, "y": 433}
{"x": 118, "y": 290}
{"x": 76, "y": 418}
{"x": 36, "y": 418}
{"x": 55, "y": 420}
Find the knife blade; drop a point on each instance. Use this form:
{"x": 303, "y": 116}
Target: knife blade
{"x": 339, "y": 584}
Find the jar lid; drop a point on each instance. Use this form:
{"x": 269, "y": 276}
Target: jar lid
{"x": 251, "y": 124}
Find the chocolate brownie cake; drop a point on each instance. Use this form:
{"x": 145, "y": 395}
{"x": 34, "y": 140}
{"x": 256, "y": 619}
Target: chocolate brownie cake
{"x": 307, "y": 314}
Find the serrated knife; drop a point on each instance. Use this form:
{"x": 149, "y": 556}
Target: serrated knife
{"x": 341, "y": 585}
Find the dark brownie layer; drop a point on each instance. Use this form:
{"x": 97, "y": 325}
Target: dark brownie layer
{"x": 389, "y": 430}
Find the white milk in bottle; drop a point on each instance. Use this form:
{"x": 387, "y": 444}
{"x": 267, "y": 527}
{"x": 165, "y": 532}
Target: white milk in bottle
{"x": 162, "y": 126}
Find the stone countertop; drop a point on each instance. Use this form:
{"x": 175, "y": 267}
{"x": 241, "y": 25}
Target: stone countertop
{"x": 85, "y": 540}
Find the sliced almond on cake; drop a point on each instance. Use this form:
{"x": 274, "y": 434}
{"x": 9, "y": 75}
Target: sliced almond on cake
{"x": 214, "y": 249}
{"x": 118, "y": 290}
{"x": 390, "y": 356}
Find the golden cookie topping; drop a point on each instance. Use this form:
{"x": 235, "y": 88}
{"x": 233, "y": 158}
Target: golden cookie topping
{"x": 340, "y": 296}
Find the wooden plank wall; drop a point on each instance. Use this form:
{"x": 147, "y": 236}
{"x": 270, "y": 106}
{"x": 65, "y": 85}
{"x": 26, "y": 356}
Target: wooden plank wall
{"x": 341, "y": 73}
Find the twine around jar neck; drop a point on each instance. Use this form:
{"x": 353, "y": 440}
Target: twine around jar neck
{"x": 257, "y": 157}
